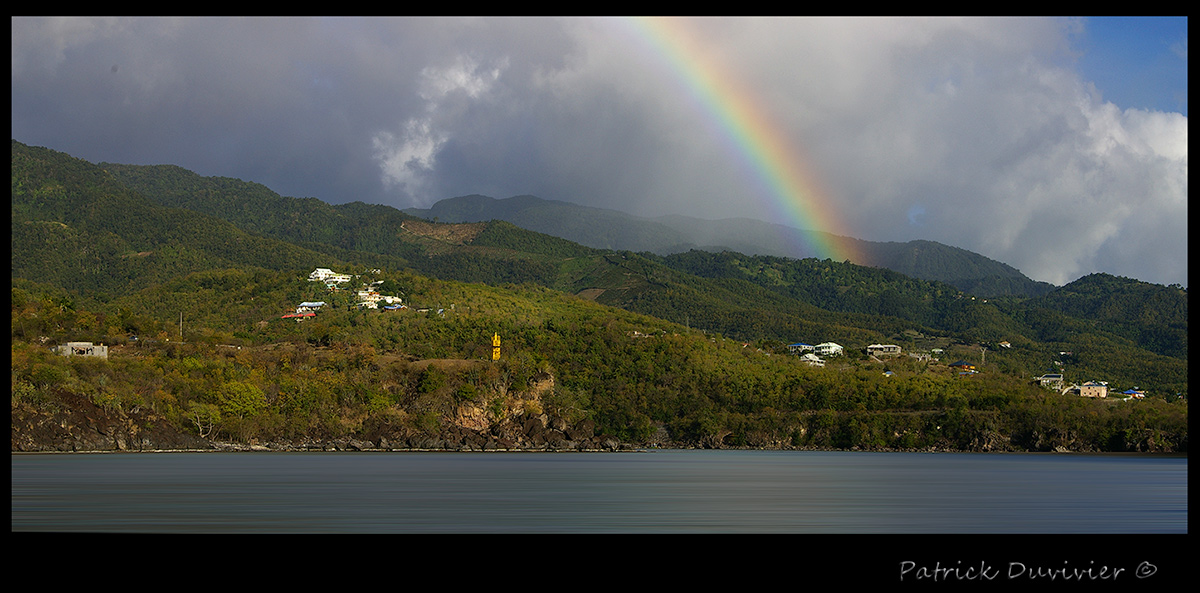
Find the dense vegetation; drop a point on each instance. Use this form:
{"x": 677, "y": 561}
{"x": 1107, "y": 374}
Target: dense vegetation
{"x": 680, "y": 350}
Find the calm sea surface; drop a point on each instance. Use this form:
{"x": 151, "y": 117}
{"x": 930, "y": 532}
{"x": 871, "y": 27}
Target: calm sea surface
{"x": 648, "y": 492}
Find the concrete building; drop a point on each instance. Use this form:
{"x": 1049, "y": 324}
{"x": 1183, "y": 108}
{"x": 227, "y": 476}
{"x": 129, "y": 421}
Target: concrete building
{"x": 828, "y": 349}
{"x": 83, "y": 349}
{"x": 1051, "y": 381}
{"x": 1094, "y": 389}
{"x": 882, "y": 349}
{"x": 328, "y": 276}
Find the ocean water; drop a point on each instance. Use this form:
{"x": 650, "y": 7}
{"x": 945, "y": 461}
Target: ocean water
{"x": 660, "y": 491}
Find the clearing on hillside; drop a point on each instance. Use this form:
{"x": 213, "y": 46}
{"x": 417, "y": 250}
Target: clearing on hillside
{"x": 459, "y": 234}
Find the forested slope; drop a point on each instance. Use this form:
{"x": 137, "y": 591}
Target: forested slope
{"x": 681, "y": 351}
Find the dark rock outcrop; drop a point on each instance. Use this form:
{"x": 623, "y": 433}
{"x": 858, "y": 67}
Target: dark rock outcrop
{"x": 74, "y": 423}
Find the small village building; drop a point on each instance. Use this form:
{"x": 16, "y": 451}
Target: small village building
{"x": 828, "y": 349}
{"x": 1134, "y": 393}
{"x": 799, "y": 347}
{"x": 883, "y": 349}
{"x": 374, "y": 298}
{"x": 963, "y": 366}
{"x": 83, "y": 349}
{"x": 328, "y": 276}
{"x": 1051, "y": 381}
{"x": 307, "y": 307}
{"x": 812, "y": 359}
{"x": 1098, "y": 389}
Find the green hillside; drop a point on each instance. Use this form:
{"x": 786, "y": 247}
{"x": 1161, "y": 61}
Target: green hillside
{"x": 1152, "y": 316}
{"x": 686, "y": 350}
{"x": 75, "y": 226}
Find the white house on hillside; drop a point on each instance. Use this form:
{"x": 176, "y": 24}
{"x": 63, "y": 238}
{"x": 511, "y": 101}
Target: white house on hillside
{"x": 828, "y": 349}
{"x": 327, "y": 276}
{"x": 371, "y": 299}
{"x": 877, "y": 349}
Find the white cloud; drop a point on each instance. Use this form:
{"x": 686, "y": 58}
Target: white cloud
{"x": 408, "y": 159}
{"x": 464, "y": 75}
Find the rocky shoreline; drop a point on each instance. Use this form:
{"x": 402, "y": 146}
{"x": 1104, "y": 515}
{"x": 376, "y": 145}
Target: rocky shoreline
{"x": 78, "y": 425}
{"x": 74, "y": 424}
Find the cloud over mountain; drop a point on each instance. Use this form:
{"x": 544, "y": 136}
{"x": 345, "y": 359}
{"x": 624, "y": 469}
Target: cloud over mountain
{"x": 979, "y": 133}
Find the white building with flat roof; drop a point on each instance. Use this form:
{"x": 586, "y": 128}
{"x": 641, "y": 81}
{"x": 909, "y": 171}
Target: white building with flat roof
{"x": 310, "y": 306}
{"x": 877, "y": 349}
{"x": 828, "y": 349}
{"x": 327, "y": 276}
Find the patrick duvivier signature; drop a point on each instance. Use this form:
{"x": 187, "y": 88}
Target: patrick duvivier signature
{"x": 985, "y": 571}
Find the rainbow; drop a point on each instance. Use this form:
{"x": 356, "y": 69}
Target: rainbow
{"x": 797, "y": 197}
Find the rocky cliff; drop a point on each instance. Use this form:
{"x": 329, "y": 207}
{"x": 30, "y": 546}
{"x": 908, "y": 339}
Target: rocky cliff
{"x": 72, "y": 423}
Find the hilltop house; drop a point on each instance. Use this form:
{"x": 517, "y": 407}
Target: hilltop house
{"x": 828, "y": 349}
{"x": 812, "y": 359}
{"x": 800, "y": 347}
{"x": 963, "y": 366}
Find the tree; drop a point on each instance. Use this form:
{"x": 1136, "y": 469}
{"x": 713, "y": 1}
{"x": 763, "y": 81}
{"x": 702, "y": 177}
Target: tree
{"x": 241, "y": 399}
{"x": 204, "y": 416}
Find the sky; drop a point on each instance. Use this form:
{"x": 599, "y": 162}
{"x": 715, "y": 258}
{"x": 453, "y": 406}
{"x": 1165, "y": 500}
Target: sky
{"x": 1055, "y": 145}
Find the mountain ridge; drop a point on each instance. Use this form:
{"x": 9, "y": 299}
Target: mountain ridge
{"x": 665, "y": 235}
